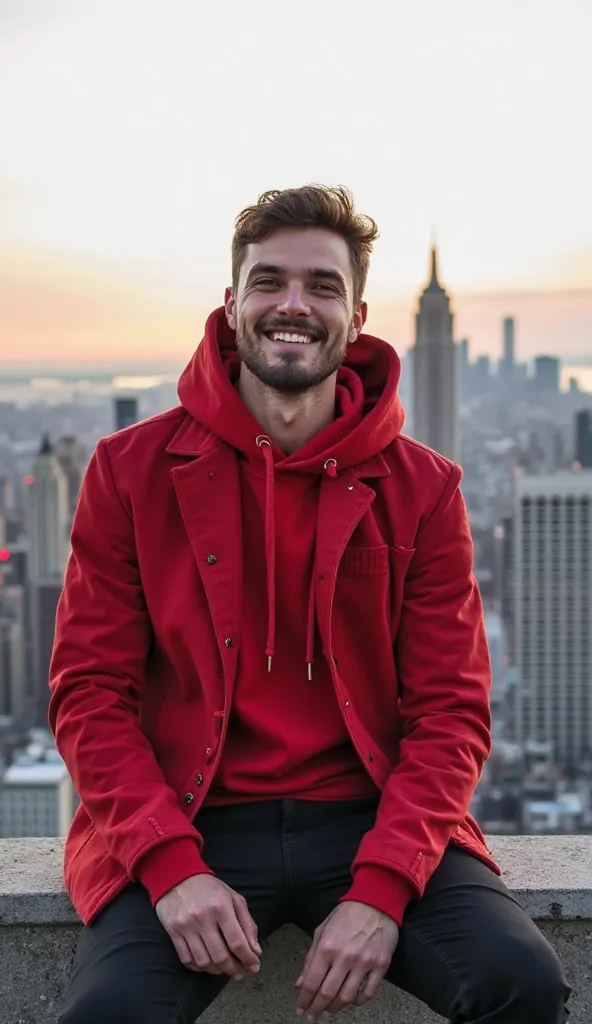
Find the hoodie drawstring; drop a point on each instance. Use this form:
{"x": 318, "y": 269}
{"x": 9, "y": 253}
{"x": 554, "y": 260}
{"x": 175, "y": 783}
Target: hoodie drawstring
{"x": 264, "y": 443}
{"x": 330, "y": 467}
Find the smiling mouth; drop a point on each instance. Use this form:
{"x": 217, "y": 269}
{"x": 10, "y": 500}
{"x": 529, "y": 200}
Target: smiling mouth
{"x": 290, "y": 337}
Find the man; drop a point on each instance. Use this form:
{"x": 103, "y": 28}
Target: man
{"x": 270, "y": 676}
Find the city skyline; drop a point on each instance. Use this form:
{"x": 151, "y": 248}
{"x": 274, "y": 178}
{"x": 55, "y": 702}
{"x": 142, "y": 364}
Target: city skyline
{"x": 118, "y": 192}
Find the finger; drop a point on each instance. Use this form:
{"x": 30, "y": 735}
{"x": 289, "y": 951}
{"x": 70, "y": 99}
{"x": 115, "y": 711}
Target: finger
{"x": 237, "y": 942}
{"x": 312, "y": 980}
{"x": 348, "y": 993}
{"x": 201, "y": 957}
{"x": 371, "y": 986}
{"x": 327, "y": 991}
{"x": 219, "y": 952}
{"x": 308, "y": 959}
{"x": 183, "y": 951}
{"x": 247, "y": 923}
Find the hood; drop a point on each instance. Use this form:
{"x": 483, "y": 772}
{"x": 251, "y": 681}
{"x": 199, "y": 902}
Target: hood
{"x": 369, "y": 414}
{"x": 368, "y": 417}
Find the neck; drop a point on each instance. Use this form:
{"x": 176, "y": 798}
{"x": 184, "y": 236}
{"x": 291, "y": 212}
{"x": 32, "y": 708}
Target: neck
{"x": 290, "y": 419}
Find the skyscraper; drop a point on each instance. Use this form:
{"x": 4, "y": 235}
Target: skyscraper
{"x": 546, "y": 374}
{"x": 69, "y": 456}
{"x": 583, "y": 438}
{"x": 48, "y": 521}
{"x": 509, "y": 339}
{"x": 507, "y": 366}
{"x": 552, "y": 599}
{"x": 126, "y": 412}
{"x": 435, "y": 370}
{"x": 47, "y": 514}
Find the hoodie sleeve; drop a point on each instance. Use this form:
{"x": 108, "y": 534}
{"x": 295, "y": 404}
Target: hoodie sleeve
{"x": 443, "y": 666}
{"x": 97, "y": 678}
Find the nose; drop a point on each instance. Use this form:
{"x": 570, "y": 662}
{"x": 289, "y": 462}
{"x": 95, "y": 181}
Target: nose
{"x": 293, "y": 301}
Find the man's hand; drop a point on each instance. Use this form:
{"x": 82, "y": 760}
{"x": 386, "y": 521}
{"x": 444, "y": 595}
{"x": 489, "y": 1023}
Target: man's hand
{"x": 210, "y": 927}
{"x": 350, "y": 954}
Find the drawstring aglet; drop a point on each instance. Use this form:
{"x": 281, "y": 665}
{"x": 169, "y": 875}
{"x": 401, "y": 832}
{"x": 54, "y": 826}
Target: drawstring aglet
{"x": 309, "y": 670}
{"x": 269, "y": 659}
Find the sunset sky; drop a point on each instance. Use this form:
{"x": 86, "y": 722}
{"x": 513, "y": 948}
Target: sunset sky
{"x": 133, "y": 131}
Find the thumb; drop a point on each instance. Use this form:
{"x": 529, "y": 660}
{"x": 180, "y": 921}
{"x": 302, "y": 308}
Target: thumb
{"x": 247, "y": 924}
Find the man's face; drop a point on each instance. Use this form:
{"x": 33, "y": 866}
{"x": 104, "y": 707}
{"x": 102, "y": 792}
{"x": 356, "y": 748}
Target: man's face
{"x": 293, "y": 308}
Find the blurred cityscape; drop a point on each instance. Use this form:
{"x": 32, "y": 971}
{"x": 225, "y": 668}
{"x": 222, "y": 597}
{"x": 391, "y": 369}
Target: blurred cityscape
{"x": 525, "y": 444}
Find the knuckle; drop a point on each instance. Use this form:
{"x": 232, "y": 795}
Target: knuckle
{"x": 309, "y": 986}
{"x": 327, "y": 991}
{"x": 235, "y": 945}
{"x": 216, "y": 905}
{"x": 350, "y": 956}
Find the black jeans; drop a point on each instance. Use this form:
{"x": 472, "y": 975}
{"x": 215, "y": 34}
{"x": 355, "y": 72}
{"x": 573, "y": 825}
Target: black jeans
{"x": 466, "y": 949}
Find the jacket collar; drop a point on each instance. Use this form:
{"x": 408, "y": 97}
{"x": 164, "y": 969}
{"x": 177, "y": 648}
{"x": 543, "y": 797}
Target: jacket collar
{"x": 193, "y": 438}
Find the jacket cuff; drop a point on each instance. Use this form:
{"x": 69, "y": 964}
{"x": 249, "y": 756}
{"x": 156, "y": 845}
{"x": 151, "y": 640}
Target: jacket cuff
{"x": 381, "y": 888}
{"x": 168, "y": 865}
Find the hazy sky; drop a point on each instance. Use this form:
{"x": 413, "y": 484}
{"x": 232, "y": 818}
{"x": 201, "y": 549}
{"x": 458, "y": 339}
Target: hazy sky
{"x": 133, "y": 131}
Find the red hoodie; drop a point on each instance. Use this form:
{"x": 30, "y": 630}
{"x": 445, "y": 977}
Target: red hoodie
{"x": 286, "y": 735}
{"x": 199, "y": 552}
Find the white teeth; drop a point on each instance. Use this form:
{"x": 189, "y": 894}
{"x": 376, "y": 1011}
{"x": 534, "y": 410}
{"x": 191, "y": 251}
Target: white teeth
{"x": 296, "y": 339}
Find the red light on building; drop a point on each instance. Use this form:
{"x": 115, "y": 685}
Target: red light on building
{"x": 4, "y": 555}
{"x": 30, "y": 479}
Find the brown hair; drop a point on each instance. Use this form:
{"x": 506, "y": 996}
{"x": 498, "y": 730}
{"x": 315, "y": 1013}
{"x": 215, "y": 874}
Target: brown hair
{"x": 318, "y": 206}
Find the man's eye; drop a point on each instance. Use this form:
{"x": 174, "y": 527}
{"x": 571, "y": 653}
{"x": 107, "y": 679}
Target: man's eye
{"x": 265, "y": 282}
{"x": 322, "y": 285}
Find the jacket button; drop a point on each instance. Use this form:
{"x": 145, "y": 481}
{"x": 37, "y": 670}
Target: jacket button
{"x": 198, "y": 780}
{"x": 228, "y": 641}
{"x": 189, "y": 798}
{"x": 211, "y": 559}
{"x": 371, "y": 758}
{"x": 208, "y": 754}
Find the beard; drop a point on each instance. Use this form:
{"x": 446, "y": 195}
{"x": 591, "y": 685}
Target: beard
{"x": 288, "y": 372}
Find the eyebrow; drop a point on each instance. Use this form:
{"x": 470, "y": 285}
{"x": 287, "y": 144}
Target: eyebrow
{"x": 321, "y": 273}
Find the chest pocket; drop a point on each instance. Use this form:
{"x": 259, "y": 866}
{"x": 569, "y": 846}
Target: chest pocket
{"x": 358, "y": 561}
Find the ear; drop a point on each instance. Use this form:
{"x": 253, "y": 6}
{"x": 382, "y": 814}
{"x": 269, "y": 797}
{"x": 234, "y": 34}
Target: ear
{"x": 358, "y": 321}
{"x": 230, "y": 308}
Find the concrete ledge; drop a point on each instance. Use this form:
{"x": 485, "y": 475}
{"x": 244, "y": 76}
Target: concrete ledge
{"x": 551, "y": 876}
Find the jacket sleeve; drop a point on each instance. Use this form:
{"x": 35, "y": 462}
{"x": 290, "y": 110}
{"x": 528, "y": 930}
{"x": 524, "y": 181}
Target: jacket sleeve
{"x": 443, "y": 667}
{"x": 97, "y": 677}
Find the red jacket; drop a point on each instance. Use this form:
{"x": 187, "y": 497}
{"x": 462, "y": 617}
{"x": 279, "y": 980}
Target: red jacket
{"x": 149, "y": 632}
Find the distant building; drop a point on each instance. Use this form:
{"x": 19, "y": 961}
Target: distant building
{"x": 48, "y": 528}
{"x": 36, "y": 800}
{"x": 435, "y": 371}
{"x": 126, "y": 412}
{"x": 552, "y": 602}
{"x": 44, "y": 598}
{"x": 507, "y": 366}
{"x": 583, "y": 438}
{"x": 547, "y": 374}
{"x": 482, "y": 377}
{"x": 69, "y": 456}
{"x": 12, "y": 652}
{"x": 47, "y": 514}
{"x": 464, "y": 368}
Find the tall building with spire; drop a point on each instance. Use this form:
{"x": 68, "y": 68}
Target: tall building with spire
{"x": 48, "y": 516}
{"x": 435, "y": 370}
